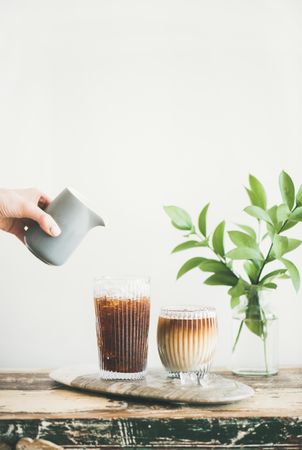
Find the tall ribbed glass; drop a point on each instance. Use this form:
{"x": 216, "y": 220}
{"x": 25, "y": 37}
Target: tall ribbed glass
{"x": 186, "y": 339}
{"x": 122, "y": 311}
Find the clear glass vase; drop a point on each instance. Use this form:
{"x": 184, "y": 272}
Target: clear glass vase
{"x": 255, "y": 337}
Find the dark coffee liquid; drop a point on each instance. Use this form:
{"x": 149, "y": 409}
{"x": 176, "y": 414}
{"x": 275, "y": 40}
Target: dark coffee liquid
{"x": 122, "y": 327}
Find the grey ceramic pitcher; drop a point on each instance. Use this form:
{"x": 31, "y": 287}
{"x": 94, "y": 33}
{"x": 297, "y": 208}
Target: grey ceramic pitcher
{"x": 73, "y": 217}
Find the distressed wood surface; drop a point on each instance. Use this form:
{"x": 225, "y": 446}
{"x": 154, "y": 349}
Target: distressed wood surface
{"x": 48, "y": 402}
{"x": 270, "y": 419}
{"x": 216, "y": 389}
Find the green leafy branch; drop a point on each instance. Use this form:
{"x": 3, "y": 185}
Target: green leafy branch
{"x": 247, "y": 242}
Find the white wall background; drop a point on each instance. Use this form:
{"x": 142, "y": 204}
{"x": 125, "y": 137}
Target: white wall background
{"x": 138, "y": 104}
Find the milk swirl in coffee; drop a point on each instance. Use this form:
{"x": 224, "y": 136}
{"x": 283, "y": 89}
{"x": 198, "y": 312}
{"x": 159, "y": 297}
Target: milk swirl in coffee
{"x": 186, "y": 338}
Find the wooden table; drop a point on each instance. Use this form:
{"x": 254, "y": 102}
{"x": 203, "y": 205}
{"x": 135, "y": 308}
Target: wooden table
{"x": 33, "y": 406}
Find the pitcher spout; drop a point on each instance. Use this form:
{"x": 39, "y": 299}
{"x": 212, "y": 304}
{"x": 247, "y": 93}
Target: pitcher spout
{"x": 97, "y": 221}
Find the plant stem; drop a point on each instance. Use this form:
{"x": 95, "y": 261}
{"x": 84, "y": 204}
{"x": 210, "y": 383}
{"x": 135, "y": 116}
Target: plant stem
{"x": 264, "y": 263}
{"x": 265, "y": 353}
{"x": 264, "y": 328}
{"x": 270, "y": 249}
{"x": 237, "y": 337}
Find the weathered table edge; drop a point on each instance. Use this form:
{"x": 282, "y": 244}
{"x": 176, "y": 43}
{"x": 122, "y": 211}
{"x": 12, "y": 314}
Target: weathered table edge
{"x": 101, "y": 432}
{"x": 170, "y": 433}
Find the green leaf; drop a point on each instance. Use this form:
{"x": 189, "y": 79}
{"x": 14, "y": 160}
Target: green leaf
{"x": 255, "y": 325}
{"x": 189, "y": 265}
{"x": 296, "y": 215}
{"x": 190, "y": 244}
{"x": 234, "y": 302}
{"x": 202, "y": 220}
{"x": 258, "y": 212}
{"x": 221, "y": 279}
{"x": 293, "y": 244}
{"x": 293, "y": 272}
{"x": 271, "y": 230}
{"x": 271, "y": 257}
{"x": 282, "y": 213}
{"x": 179, "y": 217}
{"x": 289, "y": 224}
{"x": 280, "y": 244}
{"x": 284, "y": 277}
{"x": 218, "y": 238}
{"x": 248, "y": 230}
{"x": 272, "y": 275}
{"x": 239, "y": 289}
{"x": 258, "y": 191}
{"x": 242, "y": 239}
{"x": 191, "y": 232}
{"x": 252, "y": 196}
{"x": 254, "y": 320}
{"x": 252, "y": 270}
{"x": 270, "y": 285}
{"x": 272, "y": 212}
{"x": 299, "y": 197}
{"x": 244, "y": 253}
{"x": 211, "y": 265}
{"x": 287, "y": 189}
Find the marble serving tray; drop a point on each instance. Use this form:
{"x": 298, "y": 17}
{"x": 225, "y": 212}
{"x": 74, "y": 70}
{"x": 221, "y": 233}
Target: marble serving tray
{"x": 156, "y": 386}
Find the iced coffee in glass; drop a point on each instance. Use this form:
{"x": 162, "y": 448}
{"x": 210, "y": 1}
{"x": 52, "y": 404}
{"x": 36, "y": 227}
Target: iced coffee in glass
{"x": 122, "y": 311}
{"x": 186, "y": 340}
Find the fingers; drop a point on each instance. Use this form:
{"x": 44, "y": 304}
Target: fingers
{"x": 45, "y": 221}
{"x": 39, "y": 197}
{"x": 36, "y": 196}
{"x": 43, "y": 201}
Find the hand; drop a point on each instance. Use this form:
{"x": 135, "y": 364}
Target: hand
{"x": 19, "y": 206}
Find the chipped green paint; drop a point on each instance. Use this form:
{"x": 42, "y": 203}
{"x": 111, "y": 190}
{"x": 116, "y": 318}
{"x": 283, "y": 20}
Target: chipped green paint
{"x": 167, "y": 433}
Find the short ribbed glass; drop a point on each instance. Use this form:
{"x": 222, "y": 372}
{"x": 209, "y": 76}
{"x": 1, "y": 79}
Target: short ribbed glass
{"x": 186, "y": 340}
{"x": 122, "y": 311}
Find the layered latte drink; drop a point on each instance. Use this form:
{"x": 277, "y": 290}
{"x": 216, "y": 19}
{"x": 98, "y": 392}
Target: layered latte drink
{"x": 186, "y": 338}
{"x": 122, "y": 310}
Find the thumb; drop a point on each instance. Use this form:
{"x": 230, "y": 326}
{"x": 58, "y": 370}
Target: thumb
{"x": 46, "y": 222}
